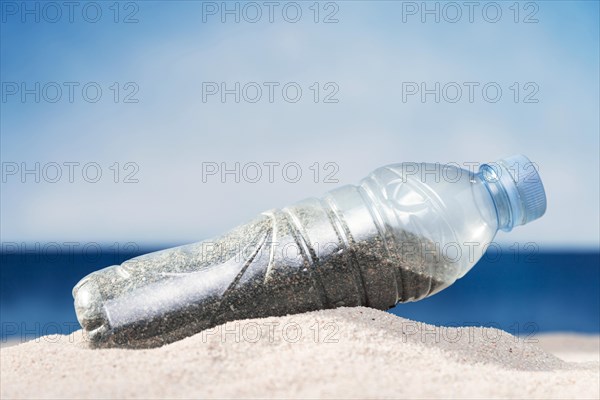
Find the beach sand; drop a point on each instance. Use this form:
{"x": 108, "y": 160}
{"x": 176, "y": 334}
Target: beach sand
{"x": 343, "y": 353}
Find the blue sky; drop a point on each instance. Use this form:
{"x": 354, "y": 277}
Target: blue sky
{"x": 170, "y": 132}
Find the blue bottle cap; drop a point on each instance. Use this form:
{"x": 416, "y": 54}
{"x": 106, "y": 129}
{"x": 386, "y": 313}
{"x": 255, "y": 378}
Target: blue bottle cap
{"x": 522, "y": 184}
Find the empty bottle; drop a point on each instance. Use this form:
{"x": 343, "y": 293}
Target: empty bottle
{"x": 405, "y": 232}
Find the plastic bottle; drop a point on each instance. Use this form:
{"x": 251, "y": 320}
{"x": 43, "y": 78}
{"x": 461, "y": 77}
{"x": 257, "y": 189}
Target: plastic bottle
{"x": 405, "y": 232}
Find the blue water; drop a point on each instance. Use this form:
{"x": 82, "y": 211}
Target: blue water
{"x": 550, "y": 291}
{"x": 547, "y": 291}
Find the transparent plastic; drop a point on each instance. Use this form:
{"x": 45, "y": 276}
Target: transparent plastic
{"x": 405, "y": 232}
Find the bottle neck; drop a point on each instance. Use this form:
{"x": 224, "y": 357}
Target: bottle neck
{"x": 504, "y": 193}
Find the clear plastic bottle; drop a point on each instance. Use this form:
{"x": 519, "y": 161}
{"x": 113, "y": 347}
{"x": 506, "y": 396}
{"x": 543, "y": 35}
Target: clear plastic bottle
{"x": 405, "y": 232}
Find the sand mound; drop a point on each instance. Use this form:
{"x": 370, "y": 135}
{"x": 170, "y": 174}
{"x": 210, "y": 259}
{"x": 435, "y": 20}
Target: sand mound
{"x": 343, "y": 353}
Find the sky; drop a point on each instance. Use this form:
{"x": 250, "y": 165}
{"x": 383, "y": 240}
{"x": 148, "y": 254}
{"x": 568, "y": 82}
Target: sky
{"x": 119, "y": 109}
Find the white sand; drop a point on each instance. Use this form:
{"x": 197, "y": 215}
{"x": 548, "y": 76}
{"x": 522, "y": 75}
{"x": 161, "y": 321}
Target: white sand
{"x": 572, "y": 347}
{"x": 344, "y": 353}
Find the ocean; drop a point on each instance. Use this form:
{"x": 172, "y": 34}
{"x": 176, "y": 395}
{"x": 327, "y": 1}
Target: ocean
{"x": 524, "y": 294}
